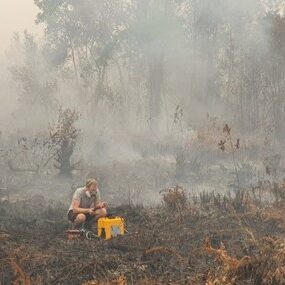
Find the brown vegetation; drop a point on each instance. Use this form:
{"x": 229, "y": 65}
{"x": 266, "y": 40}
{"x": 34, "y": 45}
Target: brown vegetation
{"x": 206, "y": 241}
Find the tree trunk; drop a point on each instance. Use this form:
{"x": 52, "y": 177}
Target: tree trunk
{"x": 155, "y": 90}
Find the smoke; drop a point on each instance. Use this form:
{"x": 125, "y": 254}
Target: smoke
{"x": 129, "y": 79}
{"x": 190, "y": 58}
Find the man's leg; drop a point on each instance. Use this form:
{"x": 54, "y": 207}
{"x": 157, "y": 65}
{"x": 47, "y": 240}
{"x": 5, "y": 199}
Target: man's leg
{"x": 79, "y": 220}
{"x": 91, "y": 221}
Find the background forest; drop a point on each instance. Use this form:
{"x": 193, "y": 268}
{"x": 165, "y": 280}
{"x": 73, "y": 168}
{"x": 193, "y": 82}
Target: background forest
{"x": 146, "y": 87}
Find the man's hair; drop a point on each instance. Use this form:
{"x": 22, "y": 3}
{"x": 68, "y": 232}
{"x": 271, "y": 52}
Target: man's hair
{"x": 90, "y": 181}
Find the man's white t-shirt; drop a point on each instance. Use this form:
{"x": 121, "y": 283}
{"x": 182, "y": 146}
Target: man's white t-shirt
{"x": 84, "y": 200}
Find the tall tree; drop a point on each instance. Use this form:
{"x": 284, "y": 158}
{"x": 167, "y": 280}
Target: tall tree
{"x": 155, "y": 26}
{"x": 86, "y": 34}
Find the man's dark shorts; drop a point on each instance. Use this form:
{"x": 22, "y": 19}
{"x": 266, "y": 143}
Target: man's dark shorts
{"x": 72, "y": 216}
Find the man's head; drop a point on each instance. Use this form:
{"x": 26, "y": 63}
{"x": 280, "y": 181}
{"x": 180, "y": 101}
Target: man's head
{"x": 91, "y": 185}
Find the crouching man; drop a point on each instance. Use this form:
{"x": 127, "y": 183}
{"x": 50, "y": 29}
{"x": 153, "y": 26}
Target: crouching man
{"x": 86, "y": 206}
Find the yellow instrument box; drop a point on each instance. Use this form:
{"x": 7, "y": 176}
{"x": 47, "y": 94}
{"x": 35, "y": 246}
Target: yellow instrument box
{"x": 110, "y": 227}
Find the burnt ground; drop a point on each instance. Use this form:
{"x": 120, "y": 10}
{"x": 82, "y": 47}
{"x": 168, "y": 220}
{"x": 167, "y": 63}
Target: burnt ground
{"x": 208, "y": 239}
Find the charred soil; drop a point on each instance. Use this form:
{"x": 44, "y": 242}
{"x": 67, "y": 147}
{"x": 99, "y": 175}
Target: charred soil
{"x": 210, "y": 239}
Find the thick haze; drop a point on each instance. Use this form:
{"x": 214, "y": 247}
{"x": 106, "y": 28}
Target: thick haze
{"x": 176, "y": 61}
{"x": 149, "y": 79}
{"x": 16, "y": 16}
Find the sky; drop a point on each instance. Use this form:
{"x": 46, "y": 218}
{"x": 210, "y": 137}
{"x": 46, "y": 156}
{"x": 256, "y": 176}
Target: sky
{"x": 16, "y": 16}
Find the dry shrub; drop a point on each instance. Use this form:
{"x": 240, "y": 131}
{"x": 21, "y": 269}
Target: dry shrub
{"x": 227, "y": 273}
{"x": 174, "y": 198}
{"x": 269, "y": 262}
{"x": 274, "y": 217}
{"x": 13, "y": 259}
{"x": 64, "y": 134}
{"x": 241, "y": 201}
{"x": 265, "y": 267}
{"x": 22, "y": 277}
{"x": 275, "y": 189}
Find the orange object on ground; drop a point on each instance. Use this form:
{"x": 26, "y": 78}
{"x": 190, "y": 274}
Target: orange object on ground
{"x": 73, "y": 234}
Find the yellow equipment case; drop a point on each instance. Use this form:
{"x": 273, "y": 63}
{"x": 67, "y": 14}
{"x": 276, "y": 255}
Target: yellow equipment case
{"x": 110, "y": 227}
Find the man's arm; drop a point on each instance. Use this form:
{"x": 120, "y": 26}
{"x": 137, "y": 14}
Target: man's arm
{"x": 77, "y": 210}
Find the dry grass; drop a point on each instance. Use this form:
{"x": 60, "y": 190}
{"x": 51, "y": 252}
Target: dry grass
{"x": 195, "y": 245}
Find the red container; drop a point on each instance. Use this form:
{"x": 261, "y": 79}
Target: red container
{"x": 73, "y": 234}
